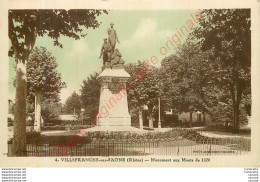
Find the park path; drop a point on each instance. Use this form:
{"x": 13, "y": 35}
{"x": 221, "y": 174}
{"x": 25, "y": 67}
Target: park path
{"x": 214, "y": 135}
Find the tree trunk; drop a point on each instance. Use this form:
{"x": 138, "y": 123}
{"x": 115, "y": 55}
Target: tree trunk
{"x": 150, "y": 115}
{"x": 19, "y": 141}
{"x": 236, "y": 98}
{"x": 38, "y": 101}
{"x": 21, "y": 56}
{"x": 191, "y": 119}
{"x": 236, "y": 118}
{"x": 151, "y": 122}
{"x": 141, "y": 118}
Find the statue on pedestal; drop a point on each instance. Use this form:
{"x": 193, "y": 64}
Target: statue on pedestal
{"x": 113, "y": 80}
{"x": 116, "y": 58}
{"x": 112, "y": 37}
{"x": 111, "y": 56}
{"x": 105, "y": 51}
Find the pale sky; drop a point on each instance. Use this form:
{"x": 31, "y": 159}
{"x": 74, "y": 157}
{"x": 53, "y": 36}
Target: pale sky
{"x": 141, "y": 35}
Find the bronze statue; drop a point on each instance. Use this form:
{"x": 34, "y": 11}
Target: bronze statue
{"x": 112, "y": 36}
{"x": 111, "y": 56}
{"x": 105, "y": 51}
{"x": 116, "y": 58}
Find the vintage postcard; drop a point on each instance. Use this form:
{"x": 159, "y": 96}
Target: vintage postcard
{"x": 139, "y": 83}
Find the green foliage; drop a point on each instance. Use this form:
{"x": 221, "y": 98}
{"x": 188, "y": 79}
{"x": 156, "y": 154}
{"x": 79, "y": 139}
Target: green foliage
{"x": 53, "y": 128}
{"x": 50, "y": 111}
{"x": 146, "y": 90}
{"x": 73, "y": 104}
{"x": 90, "y": 92}
{"x": 228, "y": 37}
{"x": 42, "y": 75}
{"x": 228, "y": 33}
{"x": 76, "y": 128}
{"x": 23, "y": 24}
{"x": 24, "y": 27}
{"x": 210, "y": 72}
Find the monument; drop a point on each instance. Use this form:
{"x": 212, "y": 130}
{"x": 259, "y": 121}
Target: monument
{"x": 113, "y": 97}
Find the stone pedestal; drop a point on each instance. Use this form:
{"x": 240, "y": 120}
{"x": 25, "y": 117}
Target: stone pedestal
{"x": 113, "y": 105}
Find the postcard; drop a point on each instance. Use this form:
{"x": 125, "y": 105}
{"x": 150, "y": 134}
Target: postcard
{"x": 133, "y": 84}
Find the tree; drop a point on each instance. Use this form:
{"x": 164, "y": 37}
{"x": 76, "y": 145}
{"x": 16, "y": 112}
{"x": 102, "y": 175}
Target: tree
{"x": 176, "y": 82}
{"x": 43, "y": 81}
{"x": 227, "y": 34}
{"x": 90, "y": 93}
{"x": 191, "y": 82}
{"x": 143, "y": 92}
{"x": 73, "y": 104}
{"x": 24, "y": 27}
{"x": 179, "y": 81}
{"x": 213, "y": 67}
{"x": 50, "y": 111}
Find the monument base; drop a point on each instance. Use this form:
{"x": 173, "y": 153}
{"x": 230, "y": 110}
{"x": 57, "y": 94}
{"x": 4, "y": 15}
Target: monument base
{"x": 113, "y": 105}
{"x": 115, "y": 121}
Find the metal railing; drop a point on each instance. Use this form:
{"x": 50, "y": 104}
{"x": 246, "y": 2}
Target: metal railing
{"x": 188, "y": 145}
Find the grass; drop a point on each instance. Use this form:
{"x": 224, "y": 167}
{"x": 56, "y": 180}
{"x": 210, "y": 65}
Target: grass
{"x": 226, "y": 131}
{"x": 179, "y": 143}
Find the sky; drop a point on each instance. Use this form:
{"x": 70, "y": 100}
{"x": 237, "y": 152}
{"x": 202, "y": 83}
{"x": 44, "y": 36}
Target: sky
{"x": 141, "y": 34}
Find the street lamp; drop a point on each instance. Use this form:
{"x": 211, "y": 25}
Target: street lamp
{"x": 159, "y": 120}
{"x": 82, "y": 111}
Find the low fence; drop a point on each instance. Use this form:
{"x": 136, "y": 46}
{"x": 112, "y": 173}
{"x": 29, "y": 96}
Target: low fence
{"x": 191, "y": 145}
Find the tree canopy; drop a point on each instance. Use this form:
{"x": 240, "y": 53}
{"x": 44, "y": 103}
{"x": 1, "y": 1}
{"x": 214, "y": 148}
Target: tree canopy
{"x": 24, "y": 27}
{"x": 90, "y": 92}
{"x": 227, "y": 34}
{"x": 73, "y": 104}
{"x": 42, "y": 75}
{"x": 211, "y": 69}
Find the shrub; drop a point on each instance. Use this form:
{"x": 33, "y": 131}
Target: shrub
{"x": 51, "y": 128}
{"x": 69, "y": 122}
{"x": 65, "y": 122}
{"x": 75, "y": 127}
